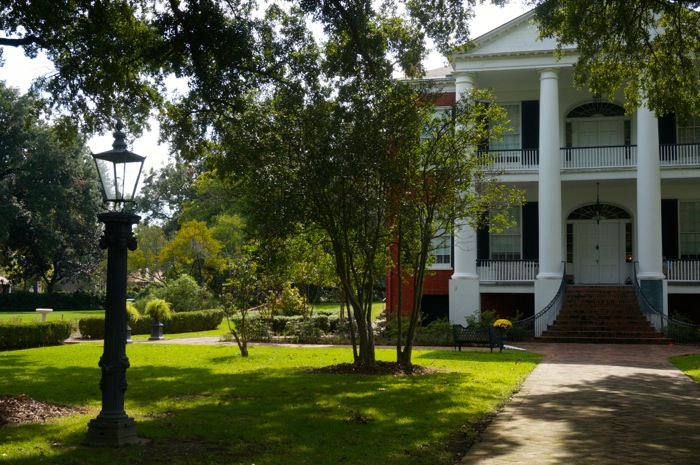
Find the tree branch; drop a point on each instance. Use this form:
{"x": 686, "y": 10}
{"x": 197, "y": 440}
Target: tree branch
{"x": 20, "y": 41}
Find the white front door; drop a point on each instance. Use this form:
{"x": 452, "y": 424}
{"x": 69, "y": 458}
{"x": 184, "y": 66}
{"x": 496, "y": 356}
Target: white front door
{"x": 597, "y": 253}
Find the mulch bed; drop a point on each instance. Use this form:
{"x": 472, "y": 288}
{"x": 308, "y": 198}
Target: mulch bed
{"x": 380, "y": 369}
{"x": 24, "y": 409}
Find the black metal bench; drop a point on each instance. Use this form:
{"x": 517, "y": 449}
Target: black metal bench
{"x": 474, "y": 335}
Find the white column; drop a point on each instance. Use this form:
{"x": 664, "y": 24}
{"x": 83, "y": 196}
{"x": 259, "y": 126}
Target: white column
{"x": 464, "y": 284}
{"x": 549, "y": 191}
{"x": 649, "y": 245}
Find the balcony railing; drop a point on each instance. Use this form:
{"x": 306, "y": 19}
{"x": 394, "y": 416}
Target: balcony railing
{"x": 605, "y": 157}
{"x": 679, "y": 154}
{"x": 621, "y": 156}
{"x": 515, "y": 160}
{"x": 683, "y": 271}
{"x": 507, "y": 270}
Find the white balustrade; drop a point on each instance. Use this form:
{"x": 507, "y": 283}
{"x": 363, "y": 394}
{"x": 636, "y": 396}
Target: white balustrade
{"x": 623, "y": 156}
{"x": 575, "y": 158}
{"x": 683, "y": 270}
{"x": 507, "y": 270}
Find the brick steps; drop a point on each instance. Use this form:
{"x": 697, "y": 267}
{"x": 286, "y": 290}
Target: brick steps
{"x": 601, "y": 315}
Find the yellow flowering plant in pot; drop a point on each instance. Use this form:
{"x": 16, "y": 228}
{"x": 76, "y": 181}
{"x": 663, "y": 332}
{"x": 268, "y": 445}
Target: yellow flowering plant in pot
{"x": 502, "y": 324}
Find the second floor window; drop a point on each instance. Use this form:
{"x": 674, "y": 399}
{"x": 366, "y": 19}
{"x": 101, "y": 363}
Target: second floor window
{"x": 689, "y": 133}
{"x": 511, "y": 134}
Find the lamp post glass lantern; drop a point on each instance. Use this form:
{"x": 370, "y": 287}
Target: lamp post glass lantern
{"x": 119, "y": 172}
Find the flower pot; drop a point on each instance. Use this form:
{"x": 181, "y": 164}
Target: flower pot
{"x": 156, "y": 331}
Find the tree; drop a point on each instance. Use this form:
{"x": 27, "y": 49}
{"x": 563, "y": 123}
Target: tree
{"x": 144, "y": 262}
{"x": 243, "y": 290}
{"x": 164, "y": 193}
{"x": 193, "y": 251}
{"x": 648, "y": 48}
{"x": 445, "y": 180}
{"x": 50, "y": 186}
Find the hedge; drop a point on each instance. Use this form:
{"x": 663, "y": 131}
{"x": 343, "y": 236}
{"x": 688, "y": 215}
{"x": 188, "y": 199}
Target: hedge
{"x": 183, "y": 322}
{"x": 29, "y": 335}
{"x": 19, "y": 301}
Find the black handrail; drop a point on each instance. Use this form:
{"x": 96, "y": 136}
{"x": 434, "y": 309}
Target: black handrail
{"x": 527, "y": 329}
{"x": 679, "y": 331}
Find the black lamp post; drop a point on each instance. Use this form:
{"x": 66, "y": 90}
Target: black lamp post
{"x": 119, "y": 171}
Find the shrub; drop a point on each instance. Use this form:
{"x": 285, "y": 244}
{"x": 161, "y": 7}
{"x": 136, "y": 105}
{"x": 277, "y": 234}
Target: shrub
{"x": 132, "y": 313}
{"x": 485, "y": 319}
{"x": 258, "y": 327}
{"x": 304, "y": 332}
{"x": 28, "y": 335}
{"x": 185, "y": 295}
{"x": 189, "y": 322}
{"x": 436, "y": 333}
{"x": 158, "y": 310}
{"x": 183, "y": 322}
{"x": 92, "y": 327}
{"x": 289, "y": 302}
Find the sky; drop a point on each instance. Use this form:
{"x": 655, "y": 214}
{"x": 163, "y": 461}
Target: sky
{"x": 19, "y": 71}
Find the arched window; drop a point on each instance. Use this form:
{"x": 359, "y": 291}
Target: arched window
{"x": 588, "y": 110}
{"x": 607, "y": 212}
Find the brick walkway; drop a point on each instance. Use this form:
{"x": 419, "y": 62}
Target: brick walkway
{"x": 598, "y": 404}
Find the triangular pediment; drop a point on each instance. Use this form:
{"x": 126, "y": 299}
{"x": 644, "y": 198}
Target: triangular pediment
{"x": 518, "y": 36}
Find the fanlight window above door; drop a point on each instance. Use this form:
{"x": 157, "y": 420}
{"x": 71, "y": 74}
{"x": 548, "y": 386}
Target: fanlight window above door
{"x": 589, "y": 110}
{"x": 607, "y": 212}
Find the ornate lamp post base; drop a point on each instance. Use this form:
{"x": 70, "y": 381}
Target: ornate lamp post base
{"x": 112, "y": 432}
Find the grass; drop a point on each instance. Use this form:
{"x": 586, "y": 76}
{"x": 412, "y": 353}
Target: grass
{"x": 688, "y": 364}
{"x": 207, "y": 405}
{"x": 377, "y": 308}
{"x": 53, "y": 316}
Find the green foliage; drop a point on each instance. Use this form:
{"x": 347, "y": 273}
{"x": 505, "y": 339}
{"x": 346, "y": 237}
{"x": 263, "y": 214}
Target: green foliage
{"x": 164, "y": 194}
{"x": 304, "y": 331}
{"x": 92, "y": 327}
{"x": 185, "y": 295}
{"x": 257, "y": 327}
{"x": 158, "y": 309}
{"x": 193, "y": 251}
{"x": 484, "y": 319}
{"x": 27, "y": 335}
{"x": 188, "y": 322}
{"x": 184, "y": 322}
{"x": 436, "y": 333}
{"x": 49, "y": 186}
{"x": 132, "y": 313}
{"x": 144, "y": 265}
{"x": 288, "y": 302}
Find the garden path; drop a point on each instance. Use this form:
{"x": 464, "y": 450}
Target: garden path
{"x": 598, "y": 404}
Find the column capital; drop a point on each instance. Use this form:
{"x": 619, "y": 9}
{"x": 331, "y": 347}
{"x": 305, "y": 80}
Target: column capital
{"x": 465, "y": 77}
{"x": 549, "y": 73}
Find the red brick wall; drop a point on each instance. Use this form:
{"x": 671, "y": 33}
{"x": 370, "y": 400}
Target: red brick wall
{"x": 436, "y": 283}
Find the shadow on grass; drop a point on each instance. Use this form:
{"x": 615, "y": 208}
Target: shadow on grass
{"x": 231, "y": 415}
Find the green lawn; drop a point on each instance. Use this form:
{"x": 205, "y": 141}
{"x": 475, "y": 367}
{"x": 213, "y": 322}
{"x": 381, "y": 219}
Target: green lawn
{"x": 689, "y": 364}
{"x": 207, "y": 405}
{"x": 377, "y": 308}
{"x": 53, "y": 316}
